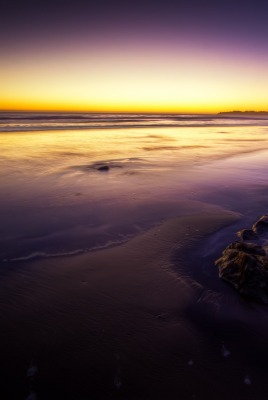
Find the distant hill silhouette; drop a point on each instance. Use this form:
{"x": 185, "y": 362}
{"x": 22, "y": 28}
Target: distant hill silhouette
{"x": 244, "y": 114}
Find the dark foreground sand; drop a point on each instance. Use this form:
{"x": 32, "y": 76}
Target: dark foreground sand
{"x": 150, "y": 312}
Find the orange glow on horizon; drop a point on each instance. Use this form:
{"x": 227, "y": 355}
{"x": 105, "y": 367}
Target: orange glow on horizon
{"x": 94, "y": 80}
{"x": 139, "y": 107}
{"x": 147, "y": 109}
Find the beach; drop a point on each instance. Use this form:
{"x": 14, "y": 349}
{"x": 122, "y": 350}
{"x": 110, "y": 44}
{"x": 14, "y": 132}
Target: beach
{"x": 108, "y": 282}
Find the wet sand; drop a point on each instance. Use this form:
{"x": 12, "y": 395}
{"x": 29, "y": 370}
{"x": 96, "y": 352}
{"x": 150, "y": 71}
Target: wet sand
{"x": 140, "y": 313}
{"x": 137, "y": 311}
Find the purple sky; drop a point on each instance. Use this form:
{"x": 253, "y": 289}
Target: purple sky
{"x": 205, "y": 34}
{"x": 37, "y": 22}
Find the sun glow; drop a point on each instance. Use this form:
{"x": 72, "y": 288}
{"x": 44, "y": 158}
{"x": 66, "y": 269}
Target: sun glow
{"x": 136, "y": 81}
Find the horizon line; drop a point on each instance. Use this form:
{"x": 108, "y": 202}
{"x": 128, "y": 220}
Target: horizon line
{"x": 105, "y": 112}
{"x": 127, "y": 112}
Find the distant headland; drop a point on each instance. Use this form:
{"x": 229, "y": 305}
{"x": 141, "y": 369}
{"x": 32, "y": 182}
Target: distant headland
{"x": 244, "y": 113}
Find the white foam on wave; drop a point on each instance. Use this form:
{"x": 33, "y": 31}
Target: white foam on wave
{"x": 40, "y": 254}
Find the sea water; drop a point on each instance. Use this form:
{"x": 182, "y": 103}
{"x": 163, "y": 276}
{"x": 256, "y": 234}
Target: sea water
{"x": 72, "y": 183}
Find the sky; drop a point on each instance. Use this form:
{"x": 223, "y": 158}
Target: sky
{"x": 134, "y": 56}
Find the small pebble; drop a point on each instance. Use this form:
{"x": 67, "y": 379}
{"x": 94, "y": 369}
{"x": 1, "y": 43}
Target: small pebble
{"x": 32, "y": 371}
{"x": 247, "y": 380}
{"x": 225, "y": 352}
{"x": 117, "y": 382}
{"x": 31, "y": 396}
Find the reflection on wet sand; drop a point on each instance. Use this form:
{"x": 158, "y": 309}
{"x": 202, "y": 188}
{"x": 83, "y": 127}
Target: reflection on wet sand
{"x": 42, "y": 172}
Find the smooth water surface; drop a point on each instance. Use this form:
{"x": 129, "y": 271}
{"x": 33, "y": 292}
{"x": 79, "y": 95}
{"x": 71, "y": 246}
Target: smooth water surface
{"x": 56, "y": 201}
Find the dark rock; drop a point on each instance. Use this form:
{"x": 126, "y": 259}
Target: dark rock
{"x": 249, "y": 248}
{"x": 245, "y": 266}
{"x": 261, "y": 226}
{"x": 247, "y": 234}
{"x": 103, "y": 168}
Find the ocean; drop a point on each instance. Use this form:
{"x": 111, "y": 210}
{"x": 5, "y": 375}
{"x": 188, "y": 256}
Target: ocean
{"x": 24, "y": 121}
